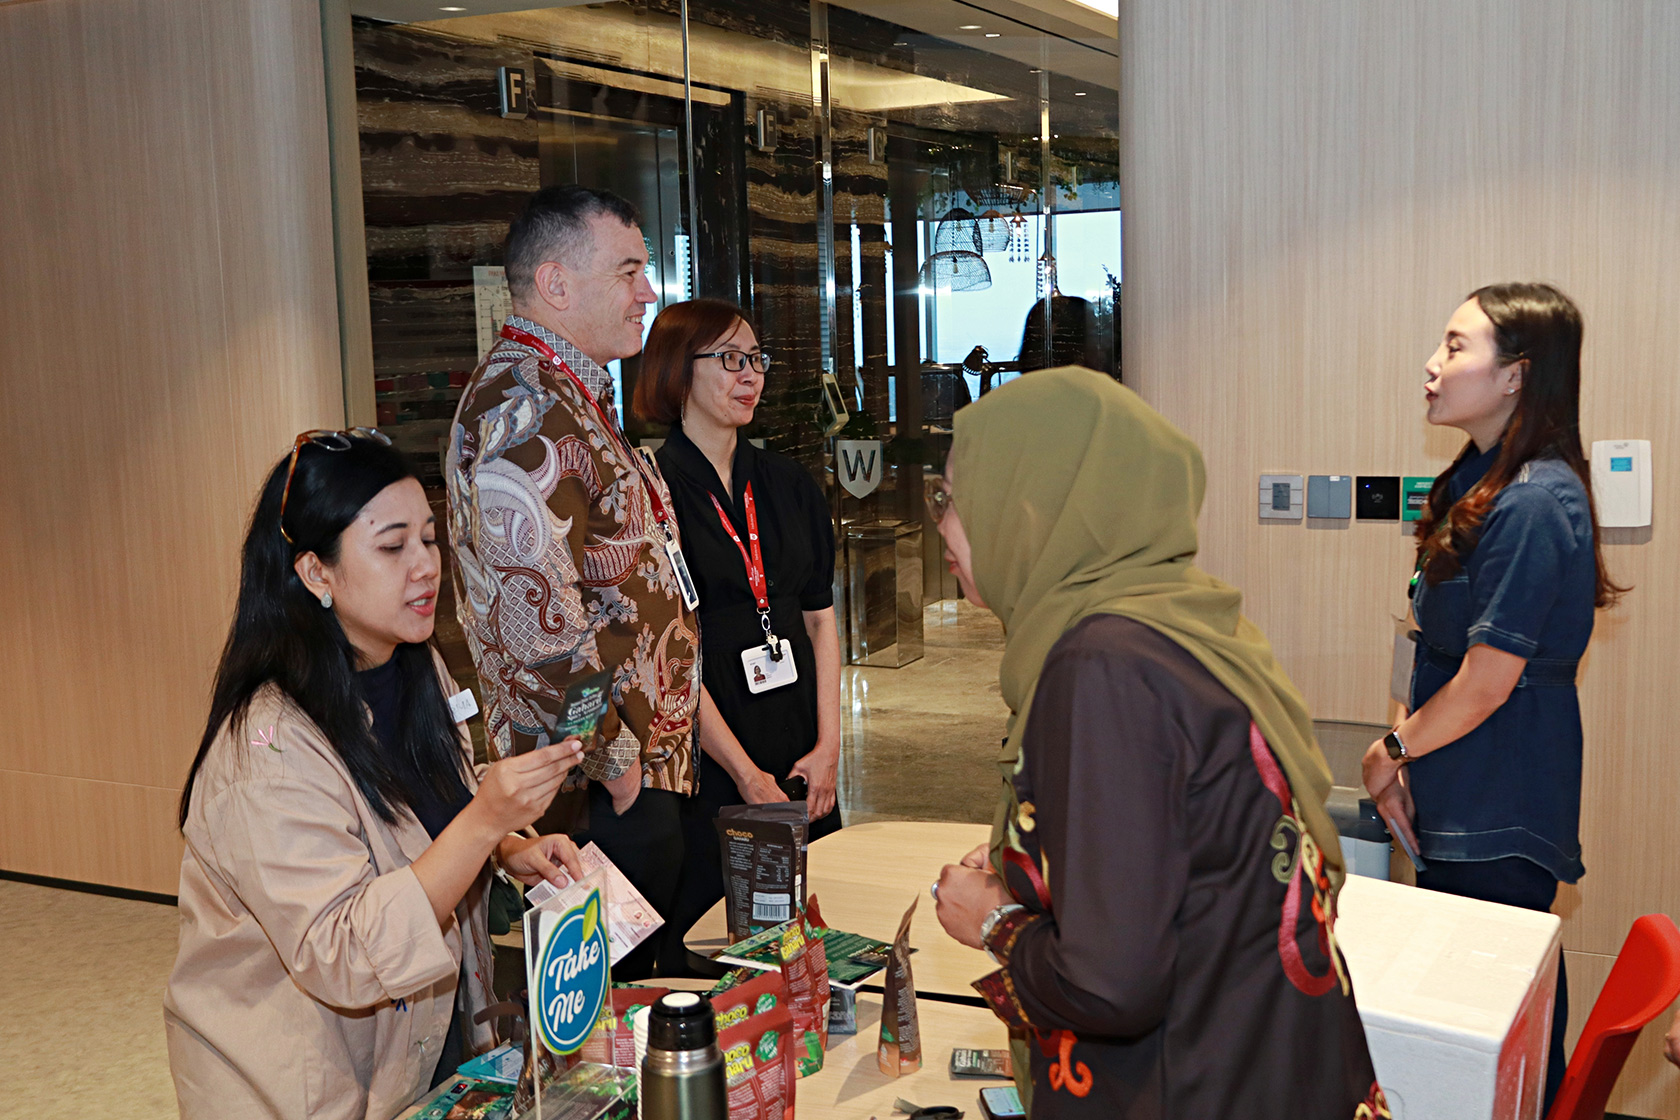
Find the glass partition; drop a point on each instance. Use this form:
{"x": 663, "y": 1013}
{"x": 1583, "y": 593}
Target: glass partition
{"x": 902, "y": 194}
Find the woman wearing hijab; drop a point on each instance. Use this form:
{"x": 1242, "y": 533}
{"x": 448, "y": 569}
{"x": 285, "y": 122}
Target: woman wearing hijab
{"x": 1160, "y": 889}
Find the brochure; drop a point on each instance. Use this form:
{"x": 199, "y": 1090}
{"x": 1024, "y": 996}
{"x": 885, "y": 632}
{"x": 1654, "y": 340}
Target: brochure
{"x": 630, "y": 919}
{"x": 852, "y": 957}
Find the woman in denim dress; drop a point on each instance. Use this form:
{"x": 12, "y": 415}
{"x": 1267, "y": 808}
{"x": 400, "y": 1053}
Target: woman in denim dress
{"x": 1509, "y": 576}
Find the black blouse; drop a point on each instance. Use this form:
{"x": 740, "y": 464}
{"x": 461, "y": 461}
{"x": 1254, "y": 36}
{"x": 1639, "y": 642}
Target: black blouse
{"x": 795, "y": 534}
{"x": 796, "y": 537}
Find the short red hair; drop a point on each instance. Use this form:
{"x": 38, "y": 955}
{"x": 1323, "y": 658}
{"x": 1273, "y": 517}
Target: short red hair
{"x": 667, "y": 369}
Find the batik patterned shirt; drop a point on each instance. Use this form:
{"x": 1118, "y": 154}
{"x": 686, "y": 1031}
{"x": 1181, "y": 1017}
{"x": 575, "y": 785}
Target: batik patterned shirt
{"x": 559, "y": 564}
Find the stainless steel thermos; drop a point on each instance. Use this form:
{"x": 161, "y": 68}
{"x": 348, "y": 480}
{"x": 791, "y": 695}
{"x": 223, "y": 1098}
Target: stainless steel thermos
{"x": 682, "y": 1075}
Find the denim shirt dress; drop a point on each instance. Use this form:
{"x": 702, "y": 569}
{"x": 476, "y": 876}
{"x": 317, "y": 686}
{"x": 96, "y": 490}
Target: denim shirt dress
{"x": 1512, "y": 786}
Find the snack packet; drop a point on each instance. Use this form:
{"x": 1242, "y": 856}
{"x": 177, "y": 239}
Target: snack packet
{"x": 613, "y": 1043}
{"x": 762, "y": 849}
{"x": 900, "y": 1049}
{"x": 805, "y": 967}
{"x": 743, "y": 993}
{"x": 759, "y": 1073}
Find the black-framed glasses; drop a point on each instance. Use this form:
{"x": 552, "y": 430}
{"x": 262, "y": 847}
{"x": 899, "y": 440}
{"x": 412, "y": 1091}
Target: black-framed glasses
{"x": 329, "y": 440}
{"x": 737, "y": 360}
{"x": 937, "y": 496}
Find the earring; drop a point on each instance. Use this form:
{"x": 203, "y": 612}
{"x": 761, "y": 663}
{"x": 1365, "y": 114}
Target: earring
{"x": 1508, "y": 392}
{"x": 326, "y": 600}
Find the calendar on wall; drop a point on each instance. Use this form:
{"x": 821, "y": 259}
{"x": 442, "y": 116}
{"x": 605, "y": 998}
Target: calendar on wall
{"x": 491, "y": 303}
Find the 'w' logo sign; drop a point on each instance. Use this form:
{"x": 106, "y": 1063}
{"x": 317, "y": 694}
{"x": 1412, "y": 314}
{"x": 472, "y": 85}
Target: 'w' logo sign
{"x": 860, "y": 463}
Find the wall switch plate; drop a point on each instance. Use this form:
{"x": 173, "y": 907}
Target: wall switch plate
{"x": 1621, "y": 480}
{"x": 1280, "y": 497}
{"x": 1376, "y": 497}
{"x": 1414, "y": 495}
{"x": 1330, "y": 495}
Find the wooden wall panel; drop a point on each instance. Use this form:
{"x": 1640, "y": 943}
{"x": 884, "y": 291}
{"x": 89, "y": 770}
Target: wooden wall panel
{"x": 1310, "y": 189}
{"x": 170, "y": 323}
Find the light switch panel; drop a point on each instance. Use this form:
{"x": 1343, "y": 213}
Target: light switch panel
{"x": 1330, "y": 495}
{"x": 1281, "y": 497}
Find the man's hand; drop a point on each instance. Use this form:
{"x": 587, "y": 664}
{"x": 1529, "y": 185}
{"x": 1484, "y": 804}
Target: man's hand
{"x": 821, "y": 771}
{"x": 625, "y": 789}
{"x": 1671, "y": 1044}
{"x": 965, "y": 896}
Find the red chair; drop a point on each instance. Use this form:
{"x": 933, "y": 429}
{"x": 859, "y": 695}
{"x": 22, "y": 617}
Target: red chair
{"x": 1643, "y": 982}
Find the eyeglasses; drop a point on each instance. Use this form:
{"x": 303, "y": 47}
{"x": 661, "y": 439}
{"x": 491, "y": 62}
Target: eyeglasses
{"x": 329, "y": 440}
{"x": 737, "y": 360}
{"x": 938, "y": 498}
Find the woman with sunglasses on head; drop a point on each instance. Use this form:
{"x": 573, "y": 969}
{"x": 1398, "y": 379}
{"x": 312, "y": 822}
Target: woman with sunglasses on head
{"x": 333, "y": 945}
{"x": 761, "y": 546}
{"x": 1483, "y": 775}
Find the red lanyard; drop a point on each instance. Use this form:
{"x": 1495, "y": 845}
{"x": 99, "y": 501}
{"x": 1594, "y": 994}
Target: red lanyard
{"x": 754, "y": 560}
{"x": 526, "y": 338}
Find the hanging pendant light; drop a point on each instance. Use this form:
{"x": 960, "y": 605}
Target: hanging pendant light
{"x": 994, "y": 231}
{"x": 957, "y": 232}
{"x": 956, "y": 269}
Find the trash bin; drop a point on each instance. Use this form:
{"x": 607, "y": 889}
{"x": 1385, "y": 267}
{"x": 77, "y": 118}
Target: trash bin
{"x": 1365, "y": 839}
{"x": 883, "y": 592}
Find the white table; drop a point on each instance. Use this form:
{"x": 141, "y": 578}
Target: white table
{"x": 864, "y": 877}
{"x": 1456, "y": 996}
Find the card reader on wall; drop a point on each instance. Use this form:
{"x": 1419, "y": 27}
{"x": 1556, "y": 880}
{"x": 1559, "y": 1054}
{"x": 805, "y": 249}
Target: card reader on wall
{"x": 1621, "y": 477}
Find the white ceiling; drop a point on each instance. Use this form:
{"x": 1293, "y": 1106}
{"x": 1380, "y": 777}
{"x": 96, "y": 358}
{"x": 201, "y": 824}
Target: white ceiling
{"x": 1068, "y": 37}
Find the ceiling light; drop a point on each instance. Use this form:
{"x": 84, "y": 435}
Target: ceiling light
{"x": 968, "y": 27}
{"x": 1079, "y": 95}
{"x": 993, "y": 34}
{"x": 451, "y": 9}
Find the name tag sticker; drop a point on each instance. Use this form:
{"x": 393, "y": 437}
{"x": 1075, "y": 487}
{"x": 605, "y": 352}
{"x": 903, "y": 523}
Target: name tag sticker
{"x": 764, "y": 672}
{"x": 462, "y": 706}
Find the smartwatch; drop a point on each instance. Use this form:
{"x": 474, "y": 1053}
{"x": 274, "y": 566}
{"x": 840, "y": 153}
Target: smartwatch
{"x": 1396, "y": 749}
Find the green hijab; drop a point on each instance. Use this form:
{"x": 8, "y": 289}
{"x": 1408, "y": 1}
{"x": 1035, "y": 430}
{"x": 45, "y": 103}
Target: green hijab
{"x": 1079, "y": 499}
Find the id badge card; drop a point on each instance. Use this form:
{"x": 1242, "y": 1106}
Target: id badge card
{"x": 685, "y": 581}
{"x": 764, "y": 672}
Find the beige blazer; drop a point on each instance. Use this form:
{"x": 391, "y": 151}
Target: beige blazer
{"x": 312, "y": 979}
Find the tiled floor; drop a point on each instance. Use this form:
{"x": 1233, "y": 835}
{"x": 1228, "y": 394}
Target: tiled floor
{"x": 82, "y": 975}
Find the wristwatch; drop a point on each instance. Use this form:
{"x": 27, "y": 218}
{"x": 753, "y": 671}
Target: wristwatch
{"x": 989, "y": 923}
{"x": 1396, "y": 749}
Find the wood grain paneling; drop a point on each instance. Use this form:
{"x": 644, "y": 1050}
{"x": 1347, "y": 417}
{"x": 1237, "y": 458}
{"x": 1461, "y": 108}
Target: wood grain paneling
{"x": 170, "y": 322}
{"x": 1310, "y": 189}
{"x": 112, "y": 833}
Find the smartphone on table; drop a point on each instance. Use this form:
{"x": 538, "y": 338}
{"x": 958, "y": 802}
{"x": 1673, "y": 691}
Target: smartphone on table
{"x": 1002, "y": 1103}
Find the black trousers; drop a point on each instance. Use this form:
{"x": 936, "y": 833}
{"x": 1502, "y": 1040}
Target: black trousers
{"x": 1513, "y": 881}
{"x": 647, "y": 845}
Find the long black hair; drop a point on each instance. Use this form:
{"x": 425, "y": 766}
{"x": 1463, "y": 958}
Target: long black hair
{"x": 1538, "y": 324}
{"x": 281, "y": 635}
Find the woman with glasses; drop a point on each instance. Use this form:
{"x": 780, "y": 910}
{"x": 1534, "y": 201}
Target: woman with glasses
{"x": 757, "y": 533}
{"x": 1160, "y": 888}
{"x": 333, "y": 944}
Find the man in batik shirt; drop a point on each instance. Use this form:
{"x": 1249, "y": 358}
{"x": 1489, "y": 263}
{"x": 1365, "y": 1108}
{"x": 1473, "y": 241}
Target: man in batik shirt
{"x": 565, "y": 555}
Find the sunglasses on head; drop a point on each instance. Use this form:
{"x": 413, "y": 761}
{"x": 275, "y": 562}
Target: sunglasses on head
{"x": 328, "y": 440}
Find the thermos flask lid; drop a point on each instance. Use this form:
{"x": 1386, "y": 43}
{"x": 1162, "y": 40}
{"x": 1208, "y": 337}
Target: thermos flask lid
{"x": 681, "y": 1021}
